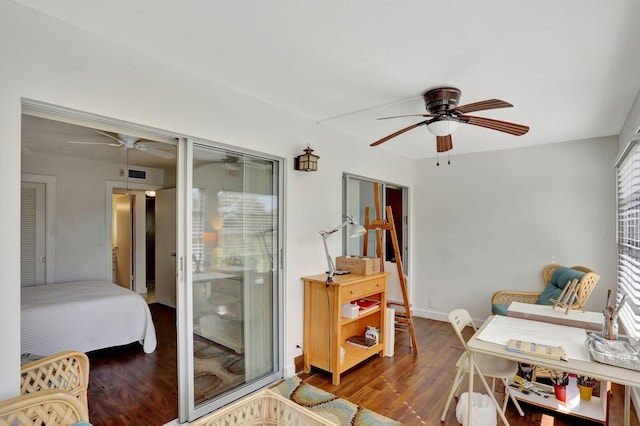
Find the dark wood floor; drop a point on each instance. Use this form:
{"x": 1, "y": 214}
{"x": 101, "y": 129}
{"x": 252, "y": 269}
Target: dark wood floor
{"x": 129, "y": 387}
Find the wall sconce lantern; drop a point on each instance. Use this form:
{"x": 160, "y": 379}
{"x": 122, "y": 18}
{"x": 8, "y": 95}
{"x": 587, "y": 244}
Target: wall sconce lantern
{"x": 306, "y": 162}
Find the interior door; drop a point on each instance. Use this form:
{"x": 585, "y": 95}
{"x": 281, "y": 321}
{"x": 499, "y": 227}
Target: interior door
{"x": 122, "y": 239}
{"x": 165, "y": 215}
{"x": 32, "y": 234}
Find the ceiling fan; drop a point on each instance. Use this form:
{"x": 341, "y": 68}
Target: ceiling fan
{"x": 444, "y": 116}
{"x": 234, "y": 163}
{"x": 131, "y": 142}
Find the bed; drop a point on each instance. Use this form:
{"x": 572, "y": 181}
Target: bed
{"x": 83, "y": 316}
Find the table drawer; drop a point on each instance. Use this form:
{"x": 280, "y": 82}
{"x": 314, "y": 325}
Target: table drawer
{"x": 359, "y": 290}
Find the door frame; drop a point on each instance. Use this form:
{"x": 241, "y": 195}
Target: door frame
{"x": 110, "y": 186}
{"x": 348, "y": 202}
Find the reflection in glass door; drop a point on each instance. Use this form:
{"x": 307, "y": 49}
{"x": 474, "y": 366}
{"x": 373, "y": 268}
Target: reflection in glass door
{"x": 234, "y": 218}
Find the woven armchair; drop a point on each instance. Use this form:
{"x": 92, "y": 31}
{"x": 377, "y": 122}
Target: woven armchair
{"x": 47, "y": 407}
{"x": 65, "y": 371}
{"x": 585, "y": 287}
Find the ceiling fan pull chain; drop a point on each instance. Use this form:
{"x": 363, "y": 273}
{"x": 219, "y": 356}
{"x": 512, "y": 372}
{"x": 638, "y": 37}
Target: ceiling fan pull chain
{"x": 448, "y": 158}
{"x": 437, "y": 159}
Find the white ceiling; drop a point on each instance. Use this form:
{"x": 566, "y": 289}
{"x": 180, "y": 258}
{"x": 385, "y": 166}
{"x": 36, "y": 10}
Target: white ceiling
{"x": 571, "y": 68}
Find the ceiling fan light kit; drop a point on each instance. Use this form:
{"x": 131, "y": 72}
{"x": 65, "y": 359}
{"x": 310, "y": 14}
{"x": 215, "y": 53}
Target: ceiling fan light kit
{"x": 443, "y": 127}
{"x": 444, "y": 117}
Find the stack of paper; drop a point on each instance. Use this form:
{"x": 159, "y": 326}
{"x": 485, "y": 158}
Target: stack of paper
{"x": 537, "y": 349}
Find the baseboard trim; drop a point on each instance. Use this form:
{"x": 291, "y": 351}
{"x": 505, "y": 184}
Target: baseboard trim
{"x": 299, "y": 363}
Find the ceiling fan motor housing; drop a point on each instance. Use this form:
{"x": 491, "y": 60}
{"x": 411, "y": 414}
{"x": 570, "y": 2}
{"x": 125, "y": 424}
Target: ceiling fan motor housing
{"x": 441, "y": 100}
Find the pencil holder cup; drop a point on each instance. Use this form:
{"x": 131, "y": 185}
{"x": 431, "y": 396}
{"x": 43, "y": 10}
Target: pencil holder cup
{"x": 585, "y": 392}
{"x": 561, "y": 392}
{"x": 610, "y": 329}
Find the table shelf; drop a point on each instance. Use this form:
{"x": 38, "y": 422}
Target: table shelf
{"x": 595, "y": 409}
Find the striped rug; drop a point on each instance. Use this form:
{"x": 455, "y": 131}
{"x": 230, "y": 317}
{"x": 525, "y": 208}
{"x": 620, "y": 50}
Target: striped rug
{"x": 327, "y": 405}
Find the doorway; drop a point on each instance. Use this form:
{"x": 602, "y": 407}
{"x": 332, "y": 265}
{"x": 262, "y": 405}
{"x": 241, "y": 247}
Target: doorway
{"x": 358, "y": 193}
{"x": 122, "y": 241}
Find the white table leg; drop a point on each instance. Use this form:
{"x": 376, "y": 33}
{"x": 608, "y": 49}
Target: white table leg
{"x": 472, "y": 363}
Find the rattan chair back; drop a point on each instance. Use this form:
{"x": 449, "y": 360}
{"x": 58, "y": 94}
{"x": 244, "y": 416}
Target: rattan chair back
{"x": 46, "y": 407}
{"x": 66, "y": 371}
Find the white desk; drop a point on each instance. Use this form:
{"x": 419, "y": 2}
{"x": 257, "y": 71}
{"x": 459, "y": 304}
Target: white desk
{"x": 577, "y": 361}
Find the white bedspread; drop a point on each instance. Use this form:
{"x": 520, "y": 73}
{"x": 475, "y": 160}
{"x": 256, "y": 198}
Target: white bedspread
{"x": 83, "y": 316}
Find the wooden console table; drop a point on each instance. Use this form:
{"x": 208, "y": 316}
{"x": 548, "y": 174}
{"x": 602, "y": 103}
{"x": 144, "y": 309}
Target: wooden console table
{"x": 326, "y": 331}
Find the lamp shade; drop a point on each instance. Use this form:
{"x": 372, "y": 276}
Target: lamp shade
{"x": 443, "y": 127}
{"x": 306, "y": 162}
{"x": 357, "y": 230}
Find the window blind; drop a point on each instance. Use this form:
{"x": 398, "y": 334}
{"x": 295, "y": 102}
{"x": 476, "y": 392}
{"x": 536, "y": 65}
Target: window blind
{"x": 628, "y": 188}
{"x": 246, "y": 238}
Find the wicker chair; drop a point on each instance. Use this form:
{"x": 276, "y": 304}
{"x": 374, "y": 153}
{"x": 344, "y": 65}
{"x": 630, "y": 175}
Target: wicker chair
{"x": 45, "y": 407}
{"x": 585, "y": 287}
{"x": 65, "y": 371}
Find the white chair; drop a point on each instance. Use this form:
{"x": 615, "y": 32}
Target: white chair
{"x": 492, "y": 367}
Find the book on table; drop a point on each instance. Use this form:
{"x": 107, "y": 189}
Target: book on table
{"x": 537, "y": 349}
{"x": 361, "y": 341}
{"x": 366, "y": 305}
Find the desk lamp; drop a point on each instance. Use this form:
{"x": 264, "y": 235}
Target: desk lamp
{"x": 356, "y": 231}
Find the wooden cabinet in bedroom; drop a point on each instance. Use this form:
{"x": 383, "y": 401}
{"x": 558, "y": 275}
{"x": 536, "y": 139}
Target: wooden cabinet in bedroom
{"x": 218, "y": 308}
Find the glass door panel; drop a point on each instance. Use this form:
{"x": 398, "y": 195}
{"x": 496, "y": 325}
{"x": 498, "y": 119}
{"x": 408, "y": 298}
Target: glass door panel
{"x": 234, "y": 274}
{"x": 359, "y": 193}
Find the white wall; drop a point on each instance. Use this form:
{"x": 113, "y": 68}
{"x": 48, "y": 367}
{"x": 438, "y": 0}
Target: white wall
{"x": 46, "y": 60}
{"x": 491, "y": 221}
{"x": 80, "y": 211}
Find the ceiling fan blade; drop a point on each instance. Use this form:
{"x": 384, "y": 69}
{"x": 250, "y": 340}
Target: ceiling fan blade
{"x": 398, "y": 133}
{"x": 444, "y": 143}
{"x": 410, "y": 115}
{"x": 94, "y": 143}
{"x": 482, "y": 105}
{"x": 159, "y": 153}
{"x": 490, "y": 123}
{"x": 110, "y": 136}
{"x": 148, "y": 148}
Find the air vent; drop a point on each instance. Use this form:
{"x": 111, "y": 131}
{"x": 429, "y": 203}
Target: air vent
{"x": 137, "y": 174}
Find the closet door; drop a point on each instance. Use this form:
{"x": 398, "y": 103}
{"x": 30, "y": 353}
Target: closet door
{"x": 32, "y": 234}
{"x": 232, "y": 277}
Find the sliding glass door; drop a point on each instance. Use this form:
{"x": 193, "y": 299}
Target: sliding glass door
{"x": 234, "y": 328}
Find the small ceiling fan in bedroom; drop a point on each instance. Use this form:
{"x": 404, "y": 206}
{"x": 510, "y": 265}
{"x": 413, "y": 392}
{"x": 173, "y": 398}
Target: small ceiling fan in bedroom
{"x": 159, "y": 149}
{"x": 444, "y": 116}
{"x": 234, "y": 163}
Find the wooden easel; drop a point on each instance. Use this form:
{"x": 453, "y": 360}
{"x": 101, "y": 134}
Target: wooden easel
{"x": 569, "y": 299}
{"x": 379, "y": 225}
